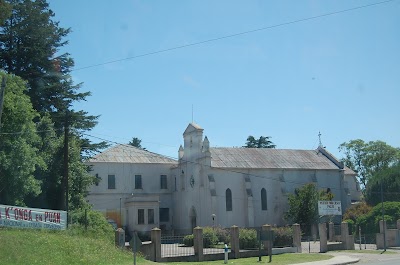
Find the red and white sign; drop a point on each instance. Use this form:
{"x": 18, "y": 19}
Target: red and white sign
{"x": 22, "y": 217}
{"x": 329, "y": 208}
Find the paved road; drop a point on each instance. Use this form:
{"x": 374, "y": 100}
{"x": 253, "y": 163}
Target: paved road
{"x": 370, "y": 259}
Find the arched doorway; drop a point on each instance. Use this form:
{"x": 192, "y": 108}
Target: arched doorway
{"x": 192, "y": 217}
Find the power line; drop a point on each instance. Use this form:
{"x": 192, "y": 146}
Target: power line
{"x": 233, "y": 35}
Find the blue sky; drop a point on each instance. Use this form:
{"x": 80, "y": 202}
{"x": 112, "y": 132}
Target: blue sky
{"x": 338, "y": 74}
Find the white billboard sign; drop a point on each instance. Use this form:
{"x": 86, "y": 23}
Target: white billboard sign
{"x": 22, "y": 217}
{"x": 329, "y": 208}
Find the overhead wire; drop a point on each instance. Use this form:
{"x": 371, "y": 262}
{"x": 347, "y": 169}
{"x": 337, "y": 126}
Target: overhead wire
{"x": 232, "y": 35}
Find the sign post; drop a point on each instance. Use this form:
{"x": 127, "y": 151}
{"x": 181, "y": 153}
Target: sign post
{"x": 267, "y": 236}
{"x": 135, "y": 243}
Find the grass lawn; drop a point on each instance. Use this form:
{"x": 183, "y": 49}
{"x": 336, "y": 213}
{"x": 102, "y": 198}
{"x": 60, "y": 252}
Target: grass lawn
{"x": 276, "y": 259}
{"x": 28, "y": 246}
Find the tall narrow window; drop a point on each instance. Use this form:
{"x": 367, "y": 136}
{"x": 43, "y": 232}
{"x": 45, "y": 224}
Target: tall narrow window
{"x": 228, "y": 197}
{"x": 140, "y": 219}
{"x": 264, "y": 206}
{"x": 163, "y": 181}
{"x": 150, "y": 216}
{"x": 111, "y": 182}
{"x": 175, "y": 185}
{"x": 138, "y": 182}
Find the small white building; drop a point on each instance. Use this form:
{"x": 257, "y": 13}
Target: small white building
{"x": 208, "y": 186}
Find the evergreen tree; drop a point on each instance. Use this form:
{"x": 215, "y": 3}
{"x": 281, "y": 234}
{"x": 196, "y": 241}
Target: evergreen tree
{"x": 262, "y": 142}
{"x": 136, "y": 142}
{"x": 30, "y": 43}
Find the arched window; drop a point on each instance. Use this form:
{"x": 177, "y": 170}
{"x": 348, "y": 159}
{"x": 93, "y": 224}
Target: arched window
{"x": 264, "y": 206}
{"x": 228, "y": 197}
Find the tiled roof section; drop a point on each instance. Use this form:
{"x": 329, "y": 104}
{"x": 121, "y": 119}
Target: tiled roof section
{"x": 129, "y": 154}
{"x": 269, "y": 158}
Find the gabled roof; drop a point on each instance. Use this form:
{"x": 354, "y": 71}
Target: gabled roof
{"x": 130, "y": 154}
{"x": 261, "y": 158}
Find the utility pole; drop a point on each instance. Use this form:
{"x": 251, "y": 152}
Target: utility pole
{"x": 2, "y": 90}
{"x": 65, "y": 175}
{"x": 383, "y": 217}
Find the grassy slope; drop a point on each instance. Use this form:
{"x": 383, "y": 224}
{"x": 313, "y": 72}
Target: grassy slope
{"x": 28, "y": 246}
{"x": 58, "y": 247}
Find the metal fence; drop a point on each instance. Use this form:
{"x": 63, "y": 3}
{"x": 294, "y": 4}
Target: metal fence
{"x": 310, "y": 239}
{"x": 174, "y": 246}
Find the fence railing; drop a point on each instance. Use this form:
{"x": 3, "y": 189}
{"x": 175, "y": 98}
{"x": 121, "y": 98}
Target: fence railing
{"x": 174, "y": 246}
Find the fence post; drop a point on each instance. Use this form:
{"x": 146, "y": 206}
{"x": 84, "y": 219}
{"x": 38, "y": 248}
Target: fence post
{"x": 347, "y": 240}
{"x": 156, "y": 240}
{"x": 235, "y": 241}
{"x": 314, "y": 229}
{"x": 331, "y": 232}
{"x": 323, "y": 243}
{"x": 297, "y": 237}
{"x": 267, "y": 247}
{"x": 381, "y": 237}
{"x": 198, "y": 243}
{"x": 382, "y": 226}
{"x": 398, "y": 233}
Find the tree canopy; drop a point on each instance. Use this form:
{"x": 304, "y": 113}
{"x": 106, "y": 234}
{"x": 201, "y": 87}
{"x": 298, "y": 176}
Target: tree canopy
{"x": 390, "y": 178}
{"x": 31, "y": 44}
{"x": 262, "y": 142}
{"x": 18, "y": 145}
{"x": 136, "y": 142}
{"x": 368, "y": 158}
{"x": 303, "y": 205}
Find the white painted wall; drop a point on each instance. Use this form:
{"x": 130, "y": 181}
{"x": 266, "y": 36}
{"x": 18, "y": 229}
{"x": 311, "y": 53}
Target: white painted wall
{"x": 108, "y": 200}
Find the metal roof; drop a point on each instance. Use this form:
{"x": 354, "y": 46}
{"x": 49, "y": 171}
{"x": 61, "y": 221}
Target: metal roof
{"x": 269, "y": 158}
{"x": 130, "y": 154}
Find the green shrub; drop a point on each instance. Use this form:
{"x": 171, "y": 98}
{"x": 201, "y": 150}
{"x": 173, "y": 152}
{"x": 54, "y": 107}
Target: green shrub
{"x": 96, "y": 225}
{"x": 369, "y": 223}
{"x": 356, "y": 210}
{"x": 222, "y": 234}
{"x": 283, "y": 236}
{"x": 188, "y": 240}
{"x": 209, "y": 237}
{"x": 248, "y": 238}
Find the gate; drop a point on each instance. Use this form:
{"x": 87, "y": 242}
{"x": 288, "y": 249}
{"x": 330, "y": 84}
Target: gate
{"x": 310, "y": 239}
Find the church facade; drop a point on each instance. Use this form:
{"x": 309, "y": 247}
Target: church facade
{"x": 208, "y": 186}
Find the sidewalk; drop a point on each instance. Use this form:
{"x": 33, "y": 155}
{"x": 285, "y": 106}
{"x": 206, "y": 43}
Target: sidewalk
{"x": 337, "y": 260}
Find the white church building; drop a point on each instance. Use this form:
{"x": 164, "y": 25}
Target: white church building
{"x": 208, "y": 186}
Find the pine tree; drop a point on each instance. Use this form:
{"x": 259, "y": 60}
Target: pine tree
{"x": 30, "y": 44}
